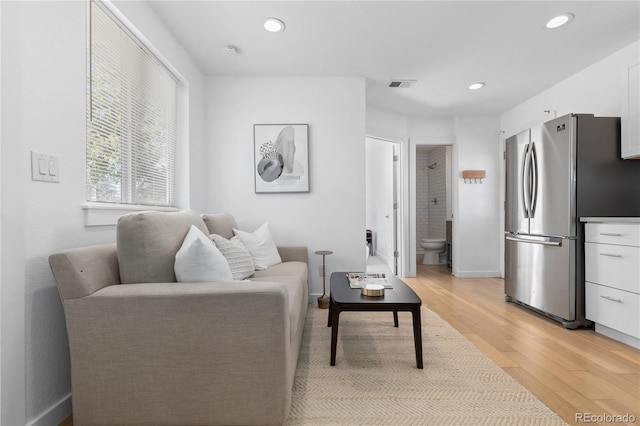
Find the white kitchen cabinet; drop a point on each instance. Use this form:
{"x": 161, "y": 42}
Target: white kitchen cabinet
{"x": 630, "y": 120}
{"x": 612, "y": 275}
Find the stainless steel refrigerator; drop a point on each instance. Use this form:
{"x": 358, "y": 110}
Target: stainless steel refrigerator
{"x": 564, "y": 169}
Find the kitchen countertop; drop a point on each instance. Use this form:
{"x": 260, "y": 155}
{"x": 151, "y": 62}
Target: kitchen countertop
{"x": 610, "y": 219}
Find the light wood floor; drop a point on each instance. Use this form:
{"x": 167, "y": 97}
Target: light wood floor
{"x": 571, "y": 371}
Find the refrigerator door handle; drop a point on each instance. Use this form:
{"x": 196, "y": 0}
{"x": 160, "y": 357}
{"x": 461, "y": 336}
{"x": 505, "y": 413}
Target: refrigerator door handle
{"x": 546, "y": 241}
{"x": 525, "y": 190}
{"x": 534, "y": 175}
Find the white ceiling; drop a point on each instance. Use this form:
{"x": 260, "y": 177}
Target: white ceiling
{"x": 445, "y": 45}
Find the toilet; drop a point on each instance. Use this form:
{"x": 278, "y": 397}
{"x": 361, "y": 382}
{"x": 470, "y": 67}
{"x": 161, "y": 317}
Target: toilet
{"x": 434, "y": 247}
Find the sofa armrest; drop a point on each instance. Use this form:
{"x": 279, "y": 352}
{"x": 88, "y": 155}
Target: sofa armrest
{"x": 181, "y": 350}
{"x": 293, "y": 253}
{"x": 82, "y": 271}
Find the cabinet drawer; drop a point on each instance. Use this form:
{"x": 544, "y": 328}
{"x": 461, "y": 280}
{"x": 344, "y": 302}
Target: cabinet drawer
{"x": 613, "y": 266}
{"x": 627, "y": 234}
{"x": 616, "y": 309}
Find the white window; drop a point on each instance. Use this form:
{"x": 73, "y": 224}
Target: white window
{"x": 132, "y": 110}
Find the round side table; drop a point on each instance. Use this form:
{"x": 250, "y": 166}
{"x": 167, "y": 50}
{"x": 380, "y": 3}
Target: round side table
{"x": 323, "y": 301}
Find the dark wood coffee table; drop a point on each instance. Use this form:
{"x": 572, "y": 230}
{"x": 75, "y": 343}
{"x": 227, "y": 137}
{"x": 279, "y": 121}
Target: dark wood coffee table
{"x": 399, "y": 298}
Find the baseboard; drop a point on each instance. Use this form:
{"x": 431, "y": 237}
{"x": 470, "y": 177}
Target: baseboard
{"x": 313, "y": 298}
{"x": 385, "y": 259}
{"x": 616, "y": 335}
{"x": 477, "y": 274}
{"x": 55, "y": 415}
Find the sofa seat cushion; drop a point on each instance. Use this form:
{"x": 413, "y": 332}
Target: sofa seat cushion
{"x": 297, "y": 298}
{"x": 294, "y": 268}
{"x": 147, "y": 244}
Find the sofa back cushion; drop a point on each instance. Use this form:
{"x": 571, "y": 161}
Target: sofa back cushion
{"x": 221, "y": 224}
{"x": 147, "y": 244}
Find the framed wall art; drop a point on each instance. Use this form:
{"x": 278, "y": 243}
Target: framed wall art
{"x": 281, "y": 157}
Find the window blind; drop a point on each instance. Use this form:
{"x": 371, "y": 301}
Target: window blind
{"x": 131, "y": 115}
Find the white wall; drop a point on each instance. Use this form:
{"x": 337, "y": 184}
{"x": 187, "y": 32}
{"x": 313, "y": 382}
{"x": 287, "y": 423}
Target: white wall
{"x": 476, "y": 211}
{"x": 478, "y": 228}
{"x": 431, "y": 128}
{"x": 379, "y": 187}
{"x": 475, "y": 144}
{"x": 43, "y": 109}
{"x": 332, "y": 215}
{"x": 386, "y": 125}
{"x": 409, "y": 132}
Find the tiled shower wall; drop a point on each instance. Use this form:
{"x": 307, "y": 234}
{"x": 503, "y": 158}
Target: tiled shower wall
{"x": 437, "y": 193}
{"x": 430, "y": 184}
{"x": 422, "y": 189}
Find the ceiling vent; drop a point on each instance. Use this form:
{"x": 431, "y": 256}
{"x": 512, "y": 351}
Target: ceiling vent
{"x": 402, "y": 83}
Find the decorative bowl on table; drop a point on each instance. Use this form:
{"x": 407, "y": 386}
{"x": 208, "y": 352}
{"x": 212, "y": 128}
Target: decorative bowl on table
{"x": 372, "y": 290}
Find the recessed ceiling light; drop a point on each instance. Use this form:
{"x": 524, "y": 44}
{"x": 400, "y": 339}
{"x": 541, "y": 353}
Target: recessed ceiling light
{"x": 476, "y": 86}
{"x": 560, "y": 20}
{"x": 273, "y": 25}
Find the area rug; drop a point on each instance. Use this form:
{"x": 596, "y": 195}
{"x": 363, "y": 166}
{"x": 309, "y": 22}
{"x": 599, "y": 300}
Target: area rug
{"x": 375, "y": 380}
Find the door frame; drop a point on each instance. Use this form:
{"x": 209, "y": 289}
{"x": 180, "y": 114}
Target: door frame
{"x": 404, "y": 267}
{"x": 434, "y": 141}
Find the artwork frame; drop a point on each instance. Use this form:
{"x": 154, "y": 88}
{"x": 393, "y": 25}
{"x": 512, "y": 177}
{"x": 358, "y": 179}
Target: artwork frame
{"x": 281, "y": 158}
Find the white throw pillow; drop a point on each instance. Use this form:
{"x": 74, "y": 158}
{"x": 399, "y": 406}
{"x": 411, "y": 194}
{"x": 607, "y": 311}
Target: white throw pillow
{"x": 261, "y": 246}
{"x": 199, "y": 260}
{"x": 236, "y": 254}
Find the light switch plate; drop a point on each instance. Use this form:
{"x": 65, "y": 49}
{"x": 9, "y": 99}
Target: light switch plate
{"x": 44, "y": 167}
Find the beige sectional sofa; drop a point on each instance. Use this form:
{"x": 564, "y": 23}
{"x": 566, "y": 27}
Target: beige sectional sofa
{"x": 147, "y": 350}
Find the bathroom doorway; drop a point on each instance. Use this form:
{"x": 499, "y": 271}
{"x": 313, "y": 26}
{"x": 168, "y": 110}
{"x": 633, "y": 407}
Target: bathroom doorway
{"x": 434, "y": 201}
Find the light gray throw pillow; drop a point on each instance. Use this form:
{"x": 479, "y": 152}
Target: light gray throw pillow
{"x": 237, "y": 256}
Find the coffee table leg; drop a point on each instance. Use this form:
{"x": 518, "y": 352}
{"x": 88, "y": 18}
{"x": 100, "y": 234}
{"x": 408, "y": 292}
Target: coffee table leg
{"x": 395, "y": 318}
{"x": 417, "y": 335}
{"x": 335, "y": 317}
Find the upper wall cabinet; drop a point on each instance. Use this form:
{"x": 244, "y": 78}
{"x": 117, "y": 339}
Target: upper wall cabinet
{"x": 631, "y": 113}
